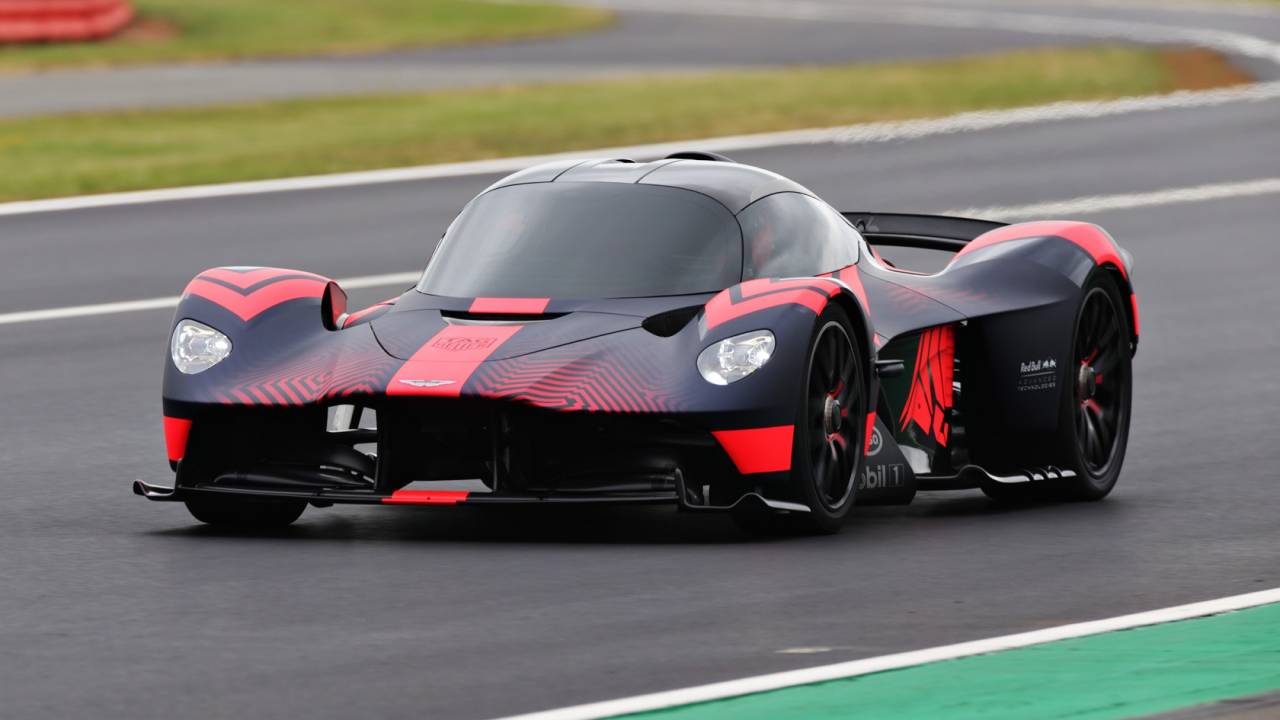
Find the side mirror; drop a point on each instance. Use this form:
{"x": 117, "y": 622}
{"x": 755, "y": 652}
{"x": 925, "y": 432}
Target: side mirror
{"x": 333, "y": 306}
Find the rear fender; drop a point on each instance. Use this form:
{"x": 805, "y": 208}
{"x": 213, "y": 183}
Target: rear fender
{"x": 1096, "y": 242}
{"x": 1017, "y": 364}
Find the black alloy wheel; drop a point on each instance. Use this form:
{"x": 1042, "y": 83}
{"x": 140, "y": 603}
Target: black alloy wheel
{"x": 835, "y": 392}
{"x": 1100, "y": 392}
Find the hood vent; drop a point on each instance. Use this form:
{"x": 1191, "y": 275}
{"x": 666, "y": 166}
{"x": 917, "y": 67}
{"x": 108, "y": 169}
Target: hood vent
{"x": 666, "y": 324}
{"x": 462, "y": 317}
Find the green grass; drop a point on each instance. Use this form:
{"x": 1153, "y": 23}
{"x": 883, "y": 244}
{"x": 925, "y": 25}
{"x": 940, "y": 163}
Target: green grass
{"x": 101, "y": 152}
{"x": 187, "y": 30}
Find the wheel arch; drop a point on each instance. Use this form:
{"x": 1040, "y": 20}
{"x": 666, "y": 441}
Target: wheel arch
{"x": 1092, "y": 239}
{"x": 1125, "y": 283}
{"x": 859, "y": 316}
{"x": 863, "y": 328}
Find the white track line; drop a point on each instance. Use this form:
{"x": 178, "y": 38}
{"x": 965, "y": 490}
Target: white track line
{"x": 1250, "y": 8}
{"x": 394, "y": 175}
{"x": 130, "y": 306}
{"x": 845, "y": 135}
{"x": 1102, "y": 203}
{"x": 1053, "y": 112}
{"x": 1063, "y": 208}
{"x": 838, "y": 671}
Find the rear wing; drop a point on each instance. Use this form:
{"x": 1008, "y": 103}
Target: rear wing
{"x": 929, "y": 232}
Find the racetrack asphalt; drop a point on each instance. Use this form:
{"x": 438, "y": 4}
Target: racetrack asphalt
{"x": 115, "y": 607}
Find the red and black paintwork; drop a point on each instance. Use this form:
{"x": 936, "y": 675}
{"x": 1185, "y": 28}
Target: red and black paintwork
{"x": 600, "y": 400}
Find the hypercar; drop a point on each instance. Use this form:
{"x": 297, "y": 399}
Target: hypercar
{"x": 690, "y": 331}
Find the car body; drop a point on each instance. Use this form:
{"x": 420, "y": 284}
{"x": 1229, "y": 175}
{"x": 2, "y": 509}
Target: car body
{"x": 661, "y": 332}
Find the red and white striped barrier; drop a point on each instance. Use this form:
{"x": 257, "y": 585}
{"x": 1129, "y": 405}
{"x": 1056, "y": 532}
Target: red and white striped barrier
{"x": 24, "y": 21}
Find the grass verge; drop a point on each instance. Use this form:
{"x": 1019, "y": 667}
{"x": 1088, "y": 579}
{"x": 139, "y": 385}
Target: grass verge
{"x": 103, "y": 152}
{"x": 188, "y": 30}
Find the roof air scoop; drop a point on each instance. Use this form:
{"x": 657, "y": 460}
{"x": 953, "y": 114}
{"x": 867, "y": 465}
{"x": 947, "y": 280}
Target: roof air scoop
{"x": 698, "y": 155}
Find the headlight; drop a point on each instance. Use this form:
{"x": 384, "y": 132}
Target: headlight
{"x": 196, "y": 347}
{"x": 735, "y": 358}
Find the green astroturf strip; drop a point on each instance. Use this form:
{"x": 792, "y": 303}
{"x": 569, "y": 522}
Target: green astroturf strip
{"x": 1123, "y": 674}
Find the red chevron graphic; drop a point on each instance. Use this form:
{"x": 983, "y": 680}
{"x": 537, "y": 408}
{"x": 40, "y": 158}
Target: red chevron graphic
{"x": 249, "y": 292}
{"x": 762, "y": 294}
{"x": 245, "y": 278}
{"x": 850, "y": 276}
{"x": 348, "y": 368}
{"x": 558, "y": 381}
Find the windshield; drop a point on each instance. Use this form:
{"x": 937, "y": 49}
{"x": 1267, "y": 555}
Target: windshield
{"x": 587, "y": 240}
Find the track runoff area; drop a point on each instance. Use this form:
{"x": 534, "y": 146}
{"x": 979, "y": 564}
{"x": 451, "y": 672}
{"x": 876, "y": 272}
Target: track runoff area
{"x": 1147, "y": 664}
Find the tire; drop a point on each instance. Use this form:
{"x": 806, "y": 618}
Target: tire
{"x": 827, "y": 445}
{"x": 245, "y": 513}
{"x": 1093, "y": 428}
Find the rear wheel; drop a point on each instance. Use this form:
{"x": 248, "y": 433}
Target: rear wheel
{"x": 827, "y": 444}
{"x": 1093, "y": 430}
{"x": 244, "y": 512}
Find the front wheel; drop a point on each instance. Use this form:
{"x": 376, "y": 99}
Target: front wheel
{"x": 245, "y": 513}
{"x": 827, "y": 443}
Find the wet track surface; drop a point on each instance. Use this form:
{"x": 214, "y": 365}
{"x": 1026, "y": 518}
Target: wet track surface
{"x": 112, "y": 606}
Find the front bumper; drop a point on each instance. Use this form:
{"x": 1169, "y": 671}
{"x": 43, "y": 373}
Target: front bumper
{"x": 520, "y": 456}
{"x": 449, "y": 498}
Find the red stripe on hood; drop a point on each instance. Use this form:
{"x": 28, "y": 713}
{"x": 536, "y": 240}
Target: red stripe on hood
{"x": 510, "y": 306}
{"x": 444, "y": 363}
